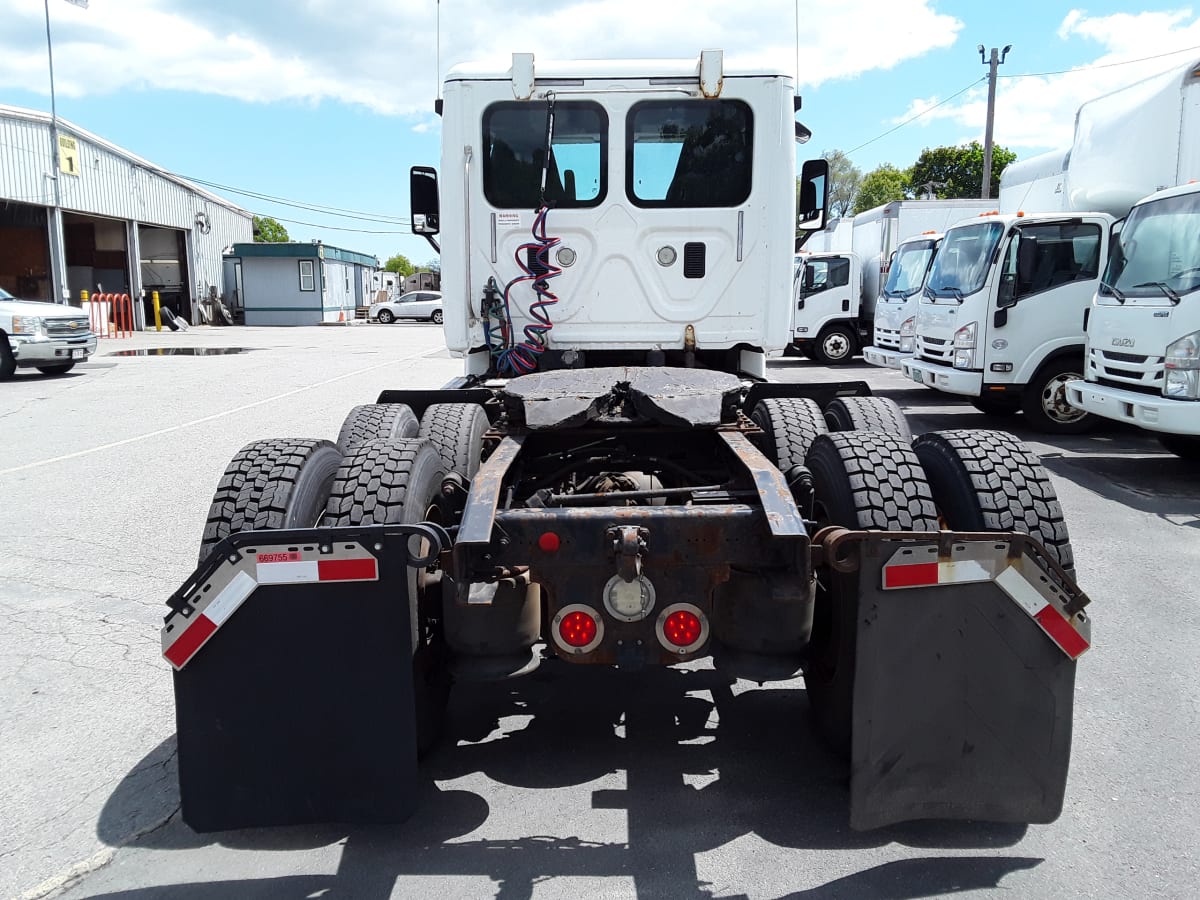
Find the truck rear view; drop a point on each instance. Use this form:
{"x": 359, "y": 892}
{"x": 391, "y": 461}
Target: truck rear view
{"x": 610, "y": 483}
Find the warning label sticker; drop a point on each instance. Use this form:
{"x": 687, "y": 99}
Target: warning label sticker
{"x": 508, "y": 220}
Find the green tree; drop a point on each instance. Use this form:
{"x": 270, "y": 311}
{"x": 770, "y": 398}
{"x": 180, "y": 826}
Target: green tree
{"x": 959, "y": 169}
{"x": 881, "y": 185}
{"x": 844, "y": 181}
{"x": 268, "y": 231}
{"x": 399, "y": 264}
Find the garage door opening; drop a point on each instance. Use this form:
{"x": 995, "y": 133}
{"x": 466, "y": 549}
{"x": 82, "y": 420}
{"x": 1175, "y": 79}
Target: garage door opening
{"x": 25, "y": 251}
{"x": 164, "y": 269}
{"x": 97, "y": 255}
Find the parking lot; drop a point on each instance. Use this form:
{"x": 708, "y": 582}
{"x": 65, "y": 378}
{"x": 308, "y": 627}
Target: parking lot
{"x": 571, "y": 782}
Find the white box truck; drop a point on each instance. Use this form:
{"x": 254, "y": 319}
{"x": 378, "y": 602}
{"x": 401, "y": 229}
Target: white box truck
{"x": 912, "y": 231}
{"x": 1029, "y": 305}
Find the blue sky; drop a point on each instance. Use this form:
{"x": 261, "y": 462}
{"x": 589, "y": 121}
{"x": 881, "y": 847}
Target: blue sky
{"x": 328, "y": 102}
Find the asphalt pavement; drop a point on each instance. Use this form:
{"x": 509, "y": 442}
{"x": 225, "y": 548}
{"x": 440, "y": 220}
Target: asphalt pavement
{"x": 571, "y": 782}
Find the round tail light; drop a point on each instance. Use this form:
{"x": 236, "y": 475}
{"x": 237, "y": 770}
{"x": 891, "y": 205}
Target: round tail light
{"x": 682, "y": 628}
{"x": 578, "y": 628}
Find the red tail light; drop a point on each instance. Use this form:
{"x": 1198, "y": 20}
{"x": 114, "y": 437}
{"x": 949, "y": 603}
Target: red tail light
{"x": 682, "y": 628}
{"x": 577, "y": 629}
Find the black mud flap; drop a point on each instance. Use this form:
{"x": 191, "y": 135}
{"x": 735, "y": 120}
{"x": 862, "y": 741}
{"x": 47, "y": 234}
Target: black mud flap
{"x": 293, "y": 679}
{"x": 964, "y": 681}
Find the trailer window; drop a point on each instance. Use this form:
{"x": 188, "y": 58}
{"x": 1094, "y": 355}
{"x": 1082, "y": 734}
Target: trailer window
{"x": 306, "y": 275}
{"x": 514, "y": 142}
{"x": 689, "y": 153}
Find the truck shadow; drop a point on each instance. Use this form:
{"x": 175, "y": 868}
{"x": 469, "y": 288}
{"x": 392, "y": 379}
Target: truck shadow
{"x": 705, "y": 761}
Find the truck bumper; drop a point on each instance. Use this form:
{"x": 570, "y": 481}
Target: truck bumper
{"x": 1144, "y": 410}
{"x": 943, "y": 378}
{"x": 884, "y": 357}
{"x": 51, "y": 351}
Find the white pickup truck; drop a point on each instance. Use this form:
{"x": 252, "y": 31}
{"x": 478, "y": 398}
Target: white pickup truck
{"x": 45, "y": 336}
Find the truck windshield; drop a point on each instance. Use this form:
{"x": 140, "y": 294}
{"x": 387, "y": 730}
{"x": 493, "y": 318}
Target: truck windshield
{"x": 1158, "y": 251}
{"x": 907, "y": 274}
{"x": 514, "y": 141}
{"x": 961, "y": 265}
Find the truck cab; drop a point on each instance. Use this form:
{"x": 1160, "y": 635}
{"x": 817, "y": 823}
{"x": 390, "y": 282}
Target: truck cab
{"x": 1143, "y": 332}
{"x": 828, "y": 298}
{"x": 898, "y": 303}
{"x": 1001, "y": 318}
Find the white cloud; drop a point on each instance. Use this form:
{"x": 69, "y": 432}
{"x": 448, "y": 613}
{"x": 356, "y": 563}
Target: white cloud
{"x": 382, "y": 54}
{"x": 1037, "y": 112}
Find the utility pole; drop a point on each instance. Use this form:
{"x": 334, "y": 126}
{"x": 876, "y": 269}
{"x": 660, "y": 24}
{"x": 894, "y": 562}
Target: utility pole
{"x": 998, "y": 56}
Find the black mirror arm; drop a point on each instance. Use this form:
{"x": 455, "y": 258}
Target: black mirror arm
{"x": 433, "y": 243}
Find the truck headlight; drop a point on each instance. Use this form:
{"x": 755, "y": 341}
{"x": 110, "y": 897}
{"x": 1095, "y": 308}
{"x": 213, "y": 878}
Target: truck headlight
{"x": 964, "y": 359}
{"x": 906, "y": 345}
{"x": 1182, "y": 364}
{"x": 908, "y": 326}
{"x": 965, "y": 336}
{"x": 31, "y": 325}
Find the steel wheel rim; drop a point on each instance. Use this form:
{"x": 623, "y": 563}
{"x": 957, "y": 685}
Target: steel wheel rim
{"x": 835, "y": 346}
{"x": 1054, "y": 400}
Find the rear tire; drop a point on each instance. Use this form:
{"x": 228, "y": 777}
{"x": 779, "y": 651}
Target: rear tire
{"x": 377, "y": 421}
{"x": 790, "y": 425}
{"x": 862, "y": 480}
{"x": 990, "y": 481}
{"x": 396, "y": 482}
{"x": 61, "y": 369}
{"x": 868, "y": 414}
{"x": 280, "y": 483}
{"x": 835, "y": 345}
{"x": 456, "y": 432}
{"x": 1182, "y": 445}
{"x": 1044, "y": 401}
{"x": 436, "y": 318}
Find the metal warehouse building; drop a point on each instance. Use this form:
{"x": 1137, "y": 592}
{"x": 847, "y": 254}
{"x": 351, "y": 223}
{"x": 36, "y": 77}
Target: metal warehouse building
{"x": 119, "y": 224}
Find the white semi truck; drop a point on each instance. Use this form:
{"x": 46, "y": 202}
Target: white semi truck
{"x": 613, "y": 482}
{"x": 1029, "y": 279}
{"x": 1143, "y": 332}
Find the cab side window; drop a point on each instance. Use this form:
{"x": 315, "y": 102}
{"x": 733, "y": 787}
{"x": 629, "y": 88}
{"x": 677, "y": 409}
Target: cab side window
{"x": 1064, "y": 253}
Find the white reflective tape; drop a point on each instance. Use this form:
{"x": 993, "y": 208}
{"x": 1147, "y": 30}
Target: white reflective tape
{"x": 1025, "y": 594}
{"x": 963, "y": 571}
{"x": 230, "y": 598}
{"x": 287, "y": 572}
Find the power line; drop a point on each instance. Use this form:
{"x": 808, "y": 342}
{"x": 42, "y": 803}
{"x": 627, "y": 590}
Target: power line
{"x": 1127, "y": 62}
{"x": 340, "y": 212}
{"x": 335, "y": 227}
{"x": 918, "y": 115}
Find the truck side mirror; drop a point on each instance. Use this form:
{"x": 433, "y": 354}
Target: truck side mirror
{"x": 423, "y": 200}
{"x": 814, "y": 195}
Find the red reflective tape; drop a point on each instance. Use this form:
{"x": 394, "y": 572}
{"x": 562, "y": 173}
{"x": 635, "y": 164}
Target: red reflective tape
{"x": 346, "y": 569}
{"x": 1061, "y": 632}
{"x": 917, "y": 575}
{"x": 189, "y": 642}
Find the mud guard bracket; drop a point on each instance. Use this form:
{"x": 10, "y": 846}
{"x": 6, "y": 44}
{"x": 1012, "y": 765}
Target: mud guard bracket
{"x": 962, "y": 698}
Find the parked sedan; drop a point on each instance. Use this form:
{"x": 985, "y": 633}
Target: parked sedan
{"x": 425, "y": 305}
